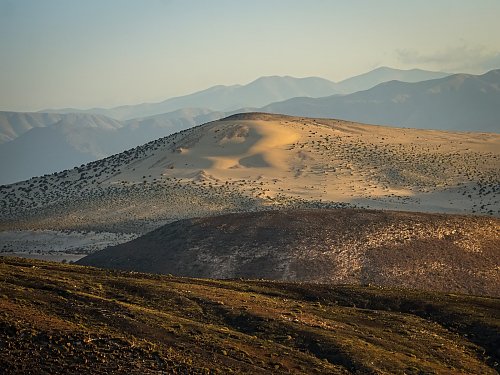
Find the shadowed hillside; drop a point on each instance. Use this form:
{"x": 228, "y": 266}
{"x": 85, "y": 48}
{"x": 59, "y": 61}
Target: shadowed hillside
{"x": 414, "y": 250}
{"x": 67, "y": 319}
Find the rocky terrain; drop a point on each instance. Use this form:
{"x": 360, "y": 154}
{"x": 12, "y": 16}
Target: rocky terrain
{"x": 261, "y": 161}
{"x": 61, "y": 319}
{"x": 344, "y": 246}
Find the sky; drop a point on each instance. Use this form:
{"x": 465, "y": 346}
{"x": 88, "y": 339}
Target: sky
{"x": 105, "y": 53}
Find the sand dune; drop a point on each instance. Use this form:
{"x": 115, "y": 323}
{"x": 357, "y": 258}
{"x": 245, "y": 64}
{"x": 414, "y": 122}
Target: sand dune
{"x": 255, "y": 145}
{"x": 261, "y": 161}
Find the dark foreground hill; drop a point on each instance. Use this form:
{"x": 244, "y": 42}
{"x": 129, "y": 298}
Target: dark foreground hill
{"x": 62, "y": 319}
{"x": 415, "y": 250}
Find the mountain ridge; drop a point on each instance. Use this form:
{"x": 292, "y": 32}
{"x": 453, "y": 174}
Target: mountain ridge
{"x": 382, "y": 74}
{"x": 15, "y": 124}
{"x": 457, "y": 102}
{"x": 259, "y": 92}
{"x": 275, "y": 92}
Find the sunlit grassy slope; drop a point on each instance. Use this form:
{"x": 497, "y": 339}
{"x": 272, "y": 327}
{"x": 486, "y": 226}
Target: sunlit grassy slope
{"x": 57, "y": 318}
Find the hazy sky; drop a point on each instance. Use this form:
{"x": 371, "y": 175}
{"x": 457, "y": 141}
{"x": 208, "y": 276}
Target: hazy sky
{"x": 85, "y": 53}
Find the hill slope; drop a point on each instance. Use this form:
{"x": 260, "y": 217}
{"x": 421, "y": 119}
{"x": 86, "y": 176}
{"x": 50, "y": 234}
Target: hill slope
{"x": 413, "y": 250}
{"x": 261, "y": 161}
{"x": 80, "y": 138}
{"x": 457, "y": 102}
{"x": 59, "y": 319}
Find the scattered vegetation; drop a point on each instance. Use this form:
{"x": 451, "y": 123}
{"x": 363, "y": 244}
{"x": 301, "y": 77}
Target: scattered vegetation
{"x": 375, "y": 166}
{"x": 437, "y": 252}
{"x": 57, "y": 318}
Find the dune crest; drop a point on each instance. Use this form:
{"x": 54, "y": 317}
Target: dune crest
{"x": 239, "y": 144}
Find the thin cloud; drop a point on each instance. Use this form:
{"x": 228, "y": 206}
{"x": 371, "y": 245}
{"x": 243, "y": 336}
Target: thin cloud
{"x": 461, "y": 58}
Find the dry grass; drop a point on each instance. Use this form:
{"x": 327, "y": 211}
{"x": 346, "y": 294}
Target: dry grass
{"x": 58, "y": 318}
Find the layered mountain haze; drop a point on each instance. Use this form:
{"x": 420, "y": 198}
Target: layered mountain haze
{"x": 58, "y": 142}
{"x": 459, "y": 102}
{"x": 256, "y": 94}
{"x": 261, "y": 161}
{"x": 385, "y": 74}
{"x": 15, "y": 124}
{"x": 262, "y": 91}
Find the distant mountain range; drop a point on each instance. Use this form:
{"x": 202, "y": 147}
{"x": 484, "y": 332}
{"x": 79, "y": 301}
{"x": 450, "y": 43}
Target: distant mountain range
{"x": 261, "y": 92}
{"x": 458, "y": 102}
{"x": 53, "y": 142}
{"x": 384, "y": 74}
{"x": 258, "y": 93}
{"x": 40, "y": 143}
{"x": 15, "y": 124}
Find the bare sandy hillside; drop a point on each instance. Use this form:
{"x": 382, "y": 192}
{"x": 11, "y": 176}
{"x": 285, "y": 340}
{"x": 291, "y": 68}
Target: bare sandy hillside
{"x": 387, "y": 248}
{"x": 260, "y": 161}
